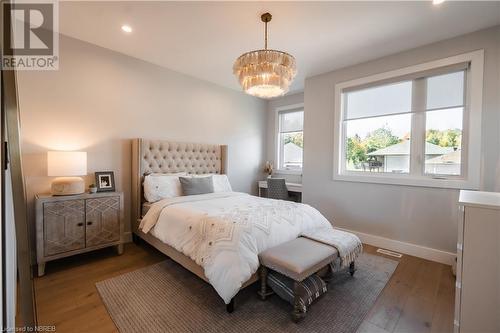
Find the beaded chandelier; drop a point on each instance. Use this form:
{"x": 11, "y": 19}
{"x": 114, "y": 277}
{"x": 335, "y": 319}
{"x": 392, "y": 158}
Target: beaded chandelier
{"x": 265, "y": 73}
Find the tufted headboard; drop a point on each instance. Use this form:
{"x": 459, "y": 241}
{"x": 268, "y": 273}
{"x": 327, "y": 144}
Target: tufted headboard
{"x": 161, "y": 156}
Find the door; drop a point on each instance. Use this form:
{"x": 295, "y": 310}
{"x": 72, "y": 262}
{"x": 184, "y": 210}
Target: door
{"x": 103, "y": 221}
{"x": 63, "y": 226}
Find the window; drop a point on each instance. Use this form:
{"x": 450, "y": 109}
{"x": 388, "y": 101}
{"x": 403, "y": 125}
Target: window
{"x": 290, "y": 139}
{"x": 416, "y": 126}
{"x": 378, "y": 127}
{"x": 444, "y": 124}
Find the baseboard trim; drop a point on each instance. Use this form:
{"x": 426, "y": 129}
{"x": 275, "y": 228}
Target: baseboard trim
{"x": 428, "y": 253}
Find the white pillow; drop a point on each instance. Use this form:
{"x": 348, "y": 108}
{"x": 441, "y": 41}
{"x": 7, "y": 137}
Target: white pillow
{"x": 221, "y": 182}
{"x": 159, "y": 186}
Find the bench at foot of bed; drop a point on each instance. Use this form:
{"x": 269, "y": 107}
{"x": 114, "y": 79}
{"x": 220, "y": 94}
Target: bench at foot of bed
{"x": 290, "y": 269}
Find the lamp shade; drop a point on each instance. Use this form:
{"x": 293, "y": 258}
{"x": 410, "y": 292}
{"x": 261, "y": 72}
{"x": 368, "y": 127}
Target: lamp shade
{"x": 66, "y": 163}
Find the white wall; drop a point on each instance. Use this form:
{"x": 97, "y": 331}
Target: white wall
{"x": 273, "y": 104}
{"x": 418, "y": 215}
{"x": 100, "y": 99}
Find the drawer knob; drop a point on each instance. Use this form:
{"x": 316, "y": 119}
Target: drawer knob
{"x": 79, "y": 224}
{"x": 89, "y": 223}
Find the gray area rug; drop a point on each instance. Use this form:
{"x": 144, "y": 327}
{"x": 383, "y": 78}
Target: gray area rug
{"x": 165, "y": 297}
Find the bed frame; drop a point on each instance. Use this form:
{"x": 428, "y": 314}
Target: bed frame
{"x": 160, "y": 156}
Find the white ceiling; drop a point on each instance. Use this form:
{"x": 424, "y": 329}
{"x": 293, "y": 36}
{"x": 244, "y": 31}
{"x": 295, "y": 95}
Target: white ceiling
{"x": 202, "y": 39}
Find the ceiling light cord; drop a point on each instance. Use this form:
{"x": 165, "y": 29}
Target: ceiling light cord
{"x": 266, "y": 18}
{"x": 265, "y": 38}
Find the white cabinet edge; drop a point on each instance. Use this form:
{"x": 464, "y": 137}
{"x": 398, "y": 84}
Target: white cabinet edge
{"x": 490, "y": 200}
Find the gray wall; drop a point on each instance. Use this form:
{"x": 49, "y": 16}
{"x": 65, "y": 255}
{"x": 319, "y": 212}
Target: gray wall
{"x": 419, "y": 215}
{"x": 100, "y": 99}
{"x": 287, "y": 100}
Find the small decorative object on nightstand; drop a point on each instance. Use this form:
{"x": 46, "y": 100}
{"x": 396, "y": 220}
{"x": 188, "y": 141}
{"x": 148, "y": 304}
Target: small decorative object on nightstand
{"x": 67, "y": 166}
{"x": 268, "y": 168}
{"x": 92, "y": 188}
{"x": 68, "y": 225}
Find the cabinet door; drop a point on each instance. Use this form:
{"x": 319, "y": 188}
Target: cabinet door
{"x": 63, "y": 226}
{"x": 480, "y": 299}
{"x": 102, "y": 220}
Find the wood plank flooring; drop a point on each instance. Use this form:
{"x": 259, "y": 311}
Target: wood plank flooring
{"x": 418, "y": 298}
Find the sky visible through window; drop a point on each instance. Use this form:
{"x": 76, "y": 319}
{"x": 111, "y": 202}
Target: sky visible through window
{"x": 399, "y": 124}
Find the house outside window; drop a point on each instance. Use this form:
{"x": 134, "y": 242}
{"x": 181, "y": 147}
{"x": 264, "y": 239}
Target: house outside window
{"x": 416, "y": 126}
{"x": 290, "y": 139}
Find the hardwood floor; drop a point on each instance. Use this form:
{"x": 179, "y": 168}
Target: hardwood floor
{"x": 418, "y": 298}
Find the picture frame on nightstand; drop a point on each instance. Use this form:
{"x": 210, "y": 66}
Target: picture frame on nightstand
{"x": 105, "y": 181}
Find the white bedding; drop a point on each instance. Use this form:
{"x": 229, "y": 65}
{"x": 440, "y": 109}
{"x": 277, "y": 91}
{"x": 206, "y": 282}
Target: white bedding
{"x": 225, "y": 232}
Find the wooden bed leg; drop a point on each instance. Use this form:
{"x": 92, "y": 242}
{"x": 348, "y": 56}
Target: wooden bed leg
{"x": 352, "y": 268}
{"x": 263, "y": 283}
{"x": 230, "y": 306}
{"x": 136, "y": 239}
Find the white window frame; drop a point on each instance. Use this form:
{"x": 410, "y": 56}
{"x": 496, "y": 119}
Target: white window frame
{"x": 277, "y": 131}
{"x": 471, "y": 172}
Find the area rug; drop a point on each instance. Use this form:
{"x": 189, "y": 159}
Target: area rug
{"x": 165, "y": 297}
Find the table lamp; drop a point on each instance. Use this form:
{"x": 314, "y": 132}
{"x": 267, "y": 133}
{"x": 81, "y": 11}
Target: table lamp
{"x": 67, "y": 166}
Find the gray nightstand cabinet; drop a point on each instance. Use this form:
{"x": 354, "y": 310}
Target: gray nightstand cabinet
{"x": 68, "y": 225}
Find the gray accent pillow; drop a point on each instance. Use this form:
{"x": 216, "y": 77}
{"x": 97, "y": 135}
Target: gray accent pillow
{"x": 196, "y": 185}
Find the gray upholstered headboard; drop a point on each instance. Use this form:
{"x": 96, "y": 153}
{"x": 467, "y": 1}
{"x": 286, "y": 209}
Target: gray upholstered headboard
{"x": 161, "y": 156}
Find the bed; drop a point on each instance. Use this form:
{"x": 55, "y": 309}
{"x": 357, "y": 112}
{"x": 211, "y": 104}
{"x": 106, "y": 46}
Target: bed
{"x": 218, "y": 236}
{"x": 161, "y": 156}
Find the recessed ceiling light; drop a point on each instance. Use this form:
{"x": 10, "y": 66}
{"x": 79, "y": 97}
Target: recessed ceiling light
{"x": 127, "y": 28}
{"x": 437, "y": 2}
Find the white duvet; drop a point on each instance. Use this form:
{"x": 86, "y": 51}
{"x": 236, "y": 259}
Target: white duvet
{"x": 225, "y": 232}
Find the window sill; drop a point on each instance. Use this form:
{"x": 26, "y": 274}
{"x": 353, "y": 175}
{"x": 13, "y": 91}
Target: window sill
{"x": 288, "y": 172}
{"x": 407, "y": 180}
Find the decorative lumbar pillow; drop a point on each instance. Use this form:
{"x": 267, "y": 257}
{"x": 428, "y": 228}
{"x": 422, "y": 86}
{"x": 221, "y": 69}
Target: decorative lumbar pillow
{"x": 159, "y": 186}
{"x": 309, "y": 289}
{"x": 196, "y": 185}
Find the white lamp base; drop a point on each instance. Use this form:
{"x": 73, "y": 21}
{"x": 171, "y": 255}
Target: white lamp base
{"x": 68, "y": 186}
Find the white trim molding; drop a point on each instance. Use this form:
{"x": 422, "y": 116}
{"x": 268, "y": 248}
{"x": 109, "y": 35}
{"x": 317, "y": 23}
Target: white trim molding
{"x": 291, "y": 108}
{"x": 444, "y": 257}
{"x": 471, "y": 177}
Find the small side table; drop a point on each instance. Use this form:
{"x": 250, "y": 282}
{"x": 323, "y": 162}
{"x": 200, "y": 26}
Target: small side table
{"x": 74, "y": 224}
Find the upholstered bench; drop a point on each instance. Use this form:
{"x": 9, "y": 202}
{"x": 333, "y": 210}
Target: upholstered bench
{"x": 297, "y": 260}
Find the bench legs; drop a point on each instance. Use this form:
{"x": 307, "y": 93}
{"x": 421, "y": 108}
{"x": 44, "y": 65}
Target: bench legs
{"x": 298, "y": 314}
{"x": 352, "y": 268}
{"x": 263, "y": 293}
